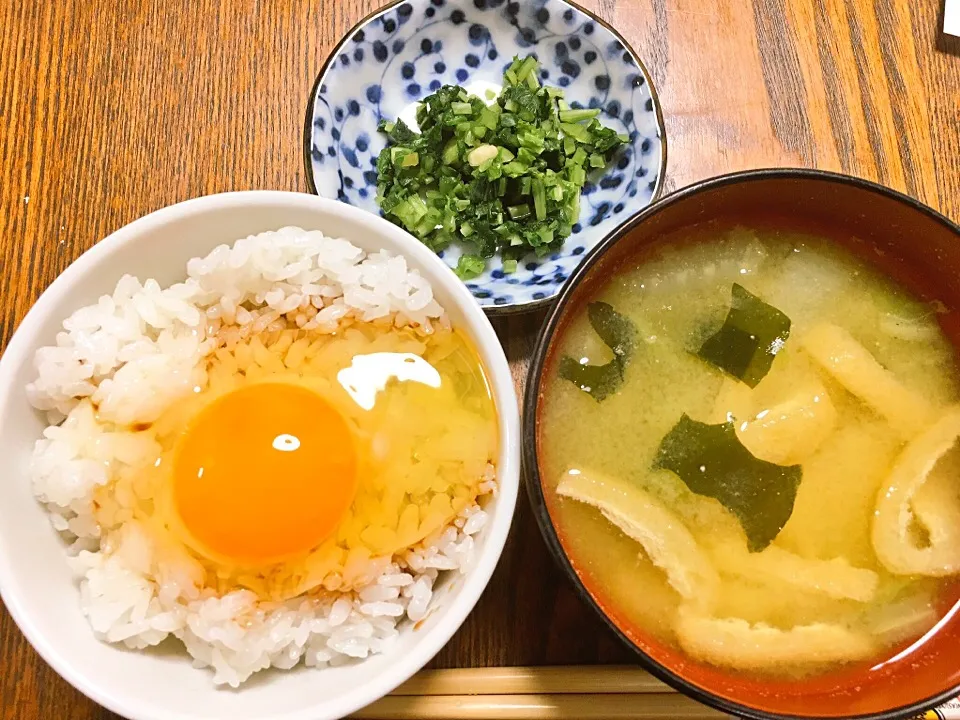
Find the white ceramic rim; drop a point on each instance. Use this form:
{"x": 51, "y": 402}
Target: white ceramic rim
{"x": 19, "y": 350}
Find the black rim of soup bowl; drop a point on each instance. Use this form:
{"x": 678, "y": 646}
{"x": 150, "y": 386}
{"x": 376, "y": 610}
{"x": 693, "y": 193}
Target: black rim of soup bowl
{"x": 531, "y": 400}
{"x": 517, "y": 308}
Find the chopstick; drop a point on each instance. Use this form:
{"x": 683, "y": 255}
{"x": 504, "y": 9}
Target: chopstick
{"x": 546, "y": 680}
{"x": 649, "y": 706}
{"x": 536, "y": 693}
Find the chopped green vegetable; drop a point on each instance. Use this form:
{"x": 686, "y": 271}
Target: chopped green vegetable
{"x": 619, "y": 334}
{"x": 539, "y": 199}
{"x": 711, "y": 461}
{"x": 571, "y": 116}
{"x": 506, "y": 178}
{"x": 518, "y": 211}
{"x": 469, "y": 266}
{"x": 751, "y": 336}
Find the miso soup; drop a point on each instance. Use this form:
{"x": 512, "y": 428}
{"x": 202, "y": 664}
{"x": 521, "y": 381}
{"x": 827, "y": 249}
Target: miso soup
{"x": 748, "y": 450}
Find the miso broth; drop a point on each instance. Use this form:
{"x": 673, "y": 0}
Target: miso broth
{"x": 734, "y": 442}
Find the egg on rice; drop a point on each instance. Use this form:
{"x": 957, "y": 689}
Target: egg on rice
{"x": 272, "y": 461}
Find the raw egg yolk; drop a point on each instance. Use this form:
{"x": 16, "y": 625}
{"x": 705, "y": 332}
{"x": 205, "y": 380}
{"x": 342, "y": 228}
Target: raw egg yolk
{"x": 264, "y": 473}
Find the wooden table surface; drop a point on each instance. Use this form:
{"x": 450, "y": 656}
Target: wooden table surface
{"x": 109, "y": 110}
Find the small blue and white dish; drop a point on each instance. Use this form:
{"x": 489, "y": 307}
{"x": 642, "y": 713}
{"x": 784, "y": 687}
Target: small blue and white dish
{"x": 407, "y": 50}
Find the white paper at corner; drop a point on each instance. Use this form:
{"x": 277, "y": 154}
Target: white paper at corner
{"x": 951, "y": 17}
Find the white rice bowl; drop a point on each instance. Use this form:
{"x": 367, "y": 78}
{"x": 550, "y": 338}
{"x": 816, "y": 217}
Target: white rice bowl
{"x": 348, "y": 649}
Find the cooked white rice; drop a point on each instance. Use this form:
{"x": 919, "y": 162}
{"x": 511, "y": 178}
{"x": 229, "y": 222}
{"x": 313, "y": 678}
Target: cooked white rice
{"x": 137, "y": 351}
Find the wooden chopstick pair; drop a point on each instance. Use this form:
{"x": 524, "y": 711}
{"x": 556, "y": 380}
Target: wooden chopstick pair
{"x": 536, "y": 693}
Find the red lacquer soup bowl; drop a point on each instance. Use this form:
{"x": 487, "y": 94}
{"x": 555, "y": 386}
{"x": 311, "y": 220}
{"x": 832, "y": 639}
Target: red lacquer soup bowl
{"x": 908, "y": 241}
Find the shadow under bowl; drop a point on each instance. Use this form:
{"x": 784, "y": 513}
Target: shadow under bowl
{"x": 899, "y": 236}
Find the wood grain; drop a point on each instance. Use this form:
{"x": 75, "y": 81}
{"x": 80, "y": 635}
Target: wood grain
{"x": 112, "y": 109}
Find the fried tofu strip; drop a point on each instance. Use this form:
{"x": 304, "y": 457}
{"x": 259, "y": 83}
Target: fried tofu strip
{"x": 735, "y": 643}
{"x": 895, "y": 513}
{"x": 858, "y": 371}
{"x": 664, "y": 538}
{"x": 834, "y": 578}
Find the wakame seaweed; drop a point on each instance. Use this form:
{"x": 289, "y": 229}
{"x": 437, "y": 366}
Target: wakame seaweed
{"x": 620, "y": 335}
{"x": 597, "y": 380}
{"x": 711, "y": 461}
{"x": 752, "y": 335}
{"x": 617, "y": 331}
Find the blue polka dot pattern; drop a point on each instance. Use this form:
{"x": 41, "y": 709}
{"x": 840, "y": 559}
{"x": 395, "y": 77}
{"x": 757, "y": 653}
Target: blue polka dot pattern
{"x": 408, "y": 50}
